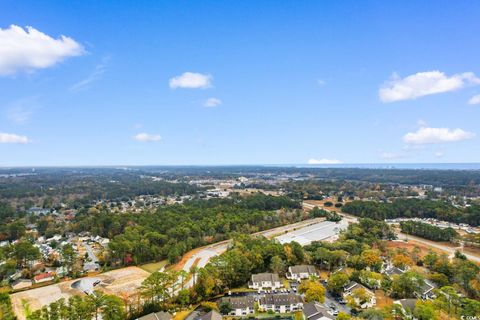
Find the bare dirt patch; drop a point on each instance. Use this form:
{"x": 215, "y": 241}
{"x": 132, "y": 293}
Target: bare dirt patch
{"x": 411, "y": 244}
{"x": 117, "y": 282}
{"x": 187, "y": 256}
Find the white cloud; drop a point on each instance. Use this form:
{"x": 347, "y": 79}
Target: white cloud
{"x": 474, "y": 99}
{"x": 324, "y": 161}
{"x": 439, "y": 154}
{"x": 145, "y": 137}
{"x": 321, "y": 82}
{"x": 97, "y": 74}
{"x": 13, "y": 138}
{"x": 191, "y": 80}
{"x": 19, "y": 115}
{"x": 423, "y": 84}
{"x": 390, "y": 155}
{"x": 212, "y": 102}
{"x": 29, "y": 49}
{"x": 426, "y": 135}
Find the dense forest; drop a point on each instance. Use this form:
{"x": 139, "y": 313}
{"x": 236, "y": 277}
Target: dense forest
{"x": 171, "y": 231}
{"x": 414, "y": 208}
{"x": 428, "y": 231}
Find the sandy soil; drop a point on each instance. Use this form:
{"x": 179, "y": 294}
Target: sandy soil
{"x": 117, "y": 282}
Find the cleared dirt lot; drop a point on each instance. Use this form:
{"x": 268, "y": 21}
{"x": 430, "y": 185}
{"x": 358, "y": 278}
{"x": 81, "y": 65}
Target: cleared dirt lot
{"x": 123, "y": 281}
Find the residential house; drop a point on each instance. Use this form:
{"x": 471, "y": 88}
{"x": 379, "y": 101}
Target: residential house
{"x": 157, "y": 316}
{"x": 393, "y": 271}
{"x": 301, "y": 272}
{"x": 352, "y": 286}
{"x": 44, "y": 277}
{"x": 280, "y": 303}
{"x": 315, "y": 311}
{"x": 265, "y": 281}
{"x": 408, "y": 305}
{"x": 212, "y": 315}
{"x": 426, "y": 291}
{"x": 38, "y": 211}
{"x": 241, "y": 306}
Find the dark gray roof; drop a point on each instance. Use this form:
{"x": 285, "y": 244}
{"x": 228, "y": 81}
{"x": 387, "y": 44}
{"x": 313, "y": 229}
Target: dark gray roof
{"x": 303, "y": 269}
{"x": 239, "y": 302}
{"x": 280, "y": 299}
{"x": 261, "y": 277}
{"x": 314, "y": 310}
{"x": 427, "y": 287}
{"x": 393, "y": 271}
{"x": 157, "y": 316}
{"x": 408, "y": 304}
{"x": 212, "y": 315}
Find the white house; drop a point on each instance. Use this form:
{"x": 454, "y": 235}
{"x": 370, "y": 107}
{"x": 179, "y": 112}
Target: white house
{"x": 280, "y": 303}
{"x": 350, "y": 288}
{"x": 241, "y": 306}
{"x": 265, "y": 281}
{"x": 301, "y": 272}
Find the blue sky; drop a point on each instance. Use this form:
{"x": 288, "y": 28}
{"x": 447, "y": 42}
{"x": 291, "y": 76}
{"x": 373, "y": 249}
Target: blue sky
{"x": 245, "y": 82}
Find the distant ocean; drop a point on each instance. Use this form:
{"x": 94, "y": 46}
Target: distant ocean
{"x": 425, "y": 166}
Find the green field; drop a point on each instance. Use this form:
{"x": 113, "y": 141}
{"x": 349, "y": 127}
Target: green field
{"x": 154, "y": 266}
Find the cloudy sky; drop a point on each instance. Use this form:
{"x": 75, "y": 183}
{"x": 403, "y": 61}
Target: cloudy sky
{"x": 247, "y": 82}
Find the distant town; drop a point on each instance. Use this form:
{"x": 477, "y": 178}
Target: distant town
{"x": 245, "y": 242}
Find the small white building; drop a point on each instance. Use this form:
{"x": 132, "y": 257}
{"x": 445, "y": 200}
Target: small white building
{"x": 301, "y": 272}
{"x": 262, "y": 281}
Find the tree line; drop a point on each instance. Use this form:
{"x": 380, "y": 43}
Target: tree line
{"x": 428, "y": 231}
{"x": 414, "y": 208}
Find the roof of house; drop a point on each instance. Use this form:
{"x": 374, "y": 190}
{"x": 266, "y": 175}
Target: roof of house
{"x": 264, "y": 277}
{"x": 314, "y": 310}
{"x": 240, "y": 302}
{"x": 393, "y": 271}
{"x": 352, "y": 285}
{"x": 427, "y": 287}
{"x": 212, "y": 315}
{"x": 407, "y": 303}
{"x": 157, "y": 316}
{"x": 303, "y": 269}
{"x": 44, "y": 275}
{"x": 280, "y": 299}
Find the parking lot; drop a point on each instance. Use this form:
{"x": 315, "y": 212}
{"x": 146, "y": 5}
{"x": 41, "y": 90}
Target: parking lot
{"x": 332, "y": 304}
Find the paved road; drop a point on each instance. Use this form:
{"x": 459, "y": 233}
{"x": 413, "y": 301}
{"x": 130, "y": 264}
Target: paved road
{"x": 448, "y": 249}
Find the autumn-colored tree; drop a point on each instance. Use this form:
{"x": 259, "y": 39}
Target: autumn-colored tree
{"x": 313, "y": 290}
{"x": 402, "y": 261}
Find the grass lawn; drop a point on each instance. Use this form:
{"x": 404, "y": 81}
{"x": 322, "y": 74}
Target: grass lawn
{"x": 180, "y": 315}
{"x": 154, "y": 266}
